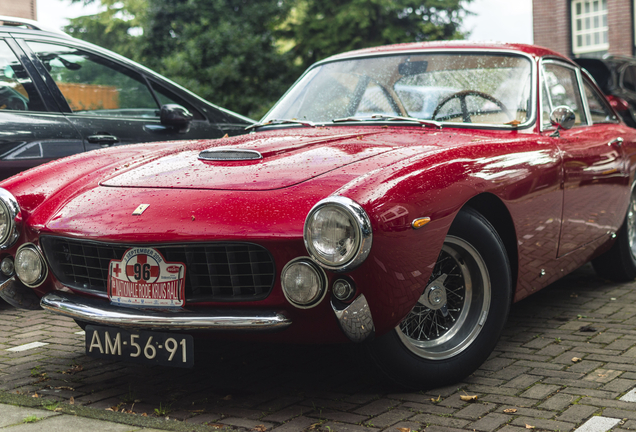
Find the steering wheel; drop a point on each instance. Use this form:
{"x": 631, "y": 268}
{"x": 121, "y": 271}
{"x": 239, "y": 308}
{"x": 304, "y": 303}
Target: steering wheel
{"x": 462, "y": 95}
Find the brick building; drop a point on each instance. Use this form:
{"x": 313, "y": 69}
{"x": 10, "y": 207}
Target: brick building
{"x": 19, "y": 8}
{"x": 588, "y": 28}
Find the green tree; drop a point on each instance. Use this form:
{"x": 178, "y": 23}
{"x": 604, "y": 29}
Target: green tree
{"x": 118, "y": 28}
{"x": 243, "y": 54}
{"x": 224, "y": 50}
{"x": 320, "y": 28}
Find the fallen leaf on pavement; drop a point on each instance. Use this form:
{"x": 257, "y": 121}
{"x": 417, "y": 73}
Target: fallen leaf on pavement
{"x": 576, "y": 359}
{"x": 260, "y": 428}
{"x": 510, "y": 410}
{"x": 35, "y": 395}
{"x": 529, "y": 427}
{"x": 404, "y": 429}
{"x": 71, "y": 401}
{"x": 468, "y": 398}
{"x": 434, "y": 400}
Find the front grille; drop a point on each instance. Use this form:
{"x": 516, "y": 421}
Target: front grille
{"x": 214, "y": 272}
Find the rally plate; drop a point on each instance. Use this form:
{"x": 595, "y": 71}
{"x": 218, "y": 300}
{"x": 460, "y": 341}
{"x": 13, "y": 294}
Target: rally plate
{"x": 168, "y": 349}
{"x": 143, "y": 278}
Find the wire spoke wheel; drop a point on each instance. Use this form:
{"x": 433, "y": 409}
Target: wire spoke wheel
{"x": 631, "y": 223}
{"x": 454, "y": 306}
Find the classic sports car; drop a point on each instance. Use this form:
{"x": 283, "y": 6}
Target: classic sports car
{"x": 341, "y": 218}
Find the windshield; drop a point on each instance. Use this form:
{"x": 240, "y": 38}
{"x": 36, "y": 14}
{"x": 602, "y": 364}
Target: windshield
{"x": 488, "y": 89}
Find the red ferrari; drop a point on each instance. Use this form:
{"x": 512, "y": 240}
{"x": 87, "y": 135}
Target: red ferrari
{"x": 399, "y": 197}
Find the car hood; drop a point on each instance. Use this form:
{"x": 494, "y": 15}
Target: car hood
{"x": 286, "y": 160}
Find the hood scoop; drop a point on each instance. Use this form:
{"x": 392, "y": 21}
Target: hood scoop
{"x": 229, "y": 154}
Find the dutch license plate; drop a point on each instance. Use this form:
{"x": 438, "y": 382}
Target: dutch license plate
{"x": 144, "y": 278}
{"x": 148, "y": 347}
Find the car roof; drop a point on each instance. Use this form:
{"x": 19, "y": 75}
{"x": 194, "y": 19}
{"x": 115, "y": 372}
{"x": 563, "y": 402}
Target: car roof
{"x": 532, "y": 50}
{"x": 14, "y": 23}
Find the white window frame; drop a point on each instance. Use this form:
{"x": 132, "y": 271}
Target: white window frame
{"x": 588, "y": 35}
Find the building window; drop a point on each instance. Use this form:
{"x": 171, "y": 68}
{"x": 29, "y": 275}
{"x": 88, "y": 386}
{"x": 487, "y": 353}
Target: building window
{"x": 589, "y": 26}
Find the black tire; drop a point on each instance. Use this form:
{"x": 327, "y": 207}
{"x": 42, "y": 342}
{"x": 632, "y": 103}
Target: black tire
{"x": 619, "y": 263}
{"x": 474, "y": 260}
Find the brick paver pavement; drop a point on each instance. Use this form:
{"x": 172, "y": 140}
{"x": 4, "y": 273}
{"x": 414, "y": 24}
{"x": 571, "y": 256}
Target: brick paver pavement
{"x": 566, "y": 362}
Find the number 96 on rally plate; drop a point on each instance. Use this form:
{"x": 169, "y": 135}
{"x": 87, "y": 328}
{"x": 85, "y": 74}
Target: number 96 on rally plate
{"x": 168, "y": 349}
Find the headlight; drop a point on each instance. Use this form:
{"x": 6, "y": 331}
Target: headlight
{"x": 30, "y": 266}
{"x": 9, "y": 210}
{"x": 304, "y": 283}
{"x": 338, "y": 233}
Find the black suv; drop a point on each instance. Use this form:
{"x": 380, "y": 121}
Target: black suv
{"x": 60, "y": 96}
{"x": 616, "y": 76}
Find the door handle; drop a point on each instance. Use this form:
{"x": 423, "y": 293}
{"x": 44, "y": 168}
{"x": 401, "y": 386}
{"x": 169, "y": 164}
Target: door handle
{"x": 618, "y": 141}
{"x": 104, "y": 140}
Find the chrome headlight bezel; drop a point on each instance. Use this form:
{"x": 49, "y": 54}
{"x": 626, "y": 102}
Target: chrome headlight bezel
{"x": 320, "y": 275}
{"x": 44, "y": 272}
{"x": 361, "y": 225}
{"x": 10, "y": 207}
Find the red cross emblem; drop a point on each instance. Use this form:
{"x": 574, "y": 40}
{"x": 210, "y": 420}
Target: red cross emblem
{"x": 117, "y": 270}
{"x": 142, "y": 270}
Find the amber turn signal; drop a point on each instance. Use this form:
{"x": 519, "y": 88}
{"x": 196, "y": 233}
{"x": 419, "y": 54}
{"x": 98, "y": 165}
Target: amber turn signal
{"x": 420, "y": 222}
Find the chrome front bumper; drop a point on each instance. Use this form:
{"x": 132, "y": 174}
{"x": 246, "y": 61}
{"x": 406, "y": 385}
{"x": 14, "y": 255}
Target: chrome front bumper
{"x": 95, "y": 311}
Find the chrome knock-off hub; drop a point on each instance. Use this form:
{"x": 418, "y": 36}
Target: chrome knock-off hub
{"x": 434, "y": 296}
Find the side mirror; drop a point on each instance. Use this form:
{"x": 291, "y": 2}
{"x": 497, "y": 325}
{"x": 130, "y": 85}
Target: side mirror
{"x": 563, "y": 118}
{"x": 175, "y": 115}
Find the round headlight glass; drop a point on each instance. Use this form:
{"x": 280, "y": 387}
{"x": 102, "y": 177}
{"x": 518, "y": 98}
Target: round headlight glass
{"x": 5, "y": 222}
{"x": 29, "y": 266}
{"x": 304, "y": 284}
{"x": 338, "y": 233}
{"x": 332, "y": 235}
{"x": 9, "y": 210}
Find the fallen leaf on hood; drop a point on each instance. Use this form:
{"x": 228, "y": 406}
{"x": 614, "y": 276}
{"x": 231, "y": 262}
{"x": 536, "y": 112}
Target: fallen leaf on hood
{"x": 513, "y": 123}
{"x": 226, "y": 136}
{"x": 468, "y": 398}
{"x": 576, "y": 359}
{"x": 510, "y": 410}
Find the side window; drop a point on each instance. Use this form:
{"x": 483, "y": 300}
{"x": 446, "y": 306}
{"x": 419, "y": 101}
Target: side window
{"x": 167, "y": 97}
{"x": 94, "y": 85}
{"x": 599, "y": 110}
{"x": 17, "y": 91}
{"x": 561, "y": 88}
{"x": 629, "y": 78}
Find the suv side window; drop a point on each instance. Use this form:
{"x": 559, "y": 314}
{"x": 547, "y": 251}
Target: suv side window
{"x": 167, "y": 97}
{"x": 629, "y": 78}
{"x": 94, "y": 85}
{"x": 560, "y": 88}
{"x": 17, "y": 91}
{"x": 600, "y": 112}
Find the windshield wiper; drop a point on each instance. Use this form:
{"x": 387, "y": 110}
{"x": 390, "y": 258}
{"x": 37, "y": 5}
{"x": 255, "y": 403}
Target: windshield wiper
{"x": 280, "y": 122}
{"x": 385, "y": 117}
